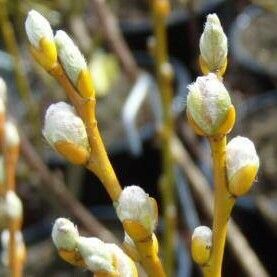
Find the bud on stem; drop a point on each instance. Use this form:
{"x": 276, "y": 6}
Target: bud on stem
{"x": 242, "y": 163}
{"x": 201, "y": 244}
{"x": 66, "y": 133}
{"x": 209, "y": 106}
{"x": 213, "y": 47}
{"x": 101, "y": 258}
{"x": 137, "y": 210}
{"x": 41, "y": 38}
{"x": 74, "y": 64}
{"x": 64, "y": 234}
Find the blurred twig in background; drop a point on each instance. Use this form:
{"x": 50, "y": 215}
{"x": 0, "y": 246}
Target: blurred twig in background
{"x": 11, "y": 210}
{"x": 63, "y": 197}
{"x": 112, "y": 33}
{"x": 22, "y": 82}
{"x": 160, "y": 10}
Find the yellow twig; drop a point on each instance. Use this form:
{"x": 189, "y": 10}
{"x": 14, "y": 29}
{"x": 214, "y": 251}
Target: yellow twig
{"x": 223, "y": 204}
{"x": 81, "y": 93}
{"x": 223, "y": 200}
{"x": 149, "y": 259}
{"x": 99, "y": 162}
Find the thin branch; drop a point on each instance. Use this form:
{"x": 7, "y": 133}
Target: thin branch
{"x": 113, "y": 35}
{"x": 243, "y": 252}
{"x": 164, "y": 77}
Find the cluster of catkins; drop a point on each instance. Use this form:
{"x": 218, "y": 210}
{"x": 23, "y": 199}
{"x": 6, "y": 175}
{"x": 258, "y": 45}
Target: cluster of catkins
{"x": 209, "y": 110}
{"x": 67, "y": 132}
{"x": 211, "y": 114}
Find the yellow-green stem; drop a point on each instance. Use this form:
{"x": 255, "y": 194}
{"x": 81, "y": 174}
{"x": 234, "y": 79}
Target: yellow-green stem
{"x": 165, "y": 85}
{"x": 153, "y": 267}
{"x": 223, "y": 204}
{"x": 99, "y": 162}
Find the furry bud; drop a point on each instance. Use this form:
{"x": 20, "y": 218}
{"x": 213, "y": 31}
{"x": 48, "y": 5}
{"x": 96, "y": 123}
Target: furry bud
{"x": 71, "y": 58}
{"x": 96, "y": 254}
{"x": 136, "y": 205}
{"x": 201, "y": 244}
{"x": 41, "y": 38}
{"x": 65, "y": 131}
{"x": 105, "y": 258}
{"x": 37, "y": 27}
{"x": 213, "y": 46}
{"x": 125, "y": 266}
{"x": 64, "y": 234}
{"x": 74, "y": 64}
{"x": 209, "y": 106}
{"x": 242, "y": 163}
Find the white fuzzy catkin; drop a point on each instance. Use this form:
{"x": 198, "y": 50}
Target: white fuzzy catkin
{"x": 3, "y": 90}
{"x": 124, "y": 263}
{"x": 64, "y": 234}
{"x": 96, "y": 254}
{"x": 204, "y": 234}
{"x": 213, "y": 43}
{"x": 208, "y": 102}
{"x": 63, "y": 124}
{"x": 135, "y": 204}
{"x": 11, "y": 134}
{"x": 37, "y": 27}
{"x": 240, "y": 152}
{"x": 14, "y": 209}
{"x": 70, "y": 56}
{"x": 201, "y": 244}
